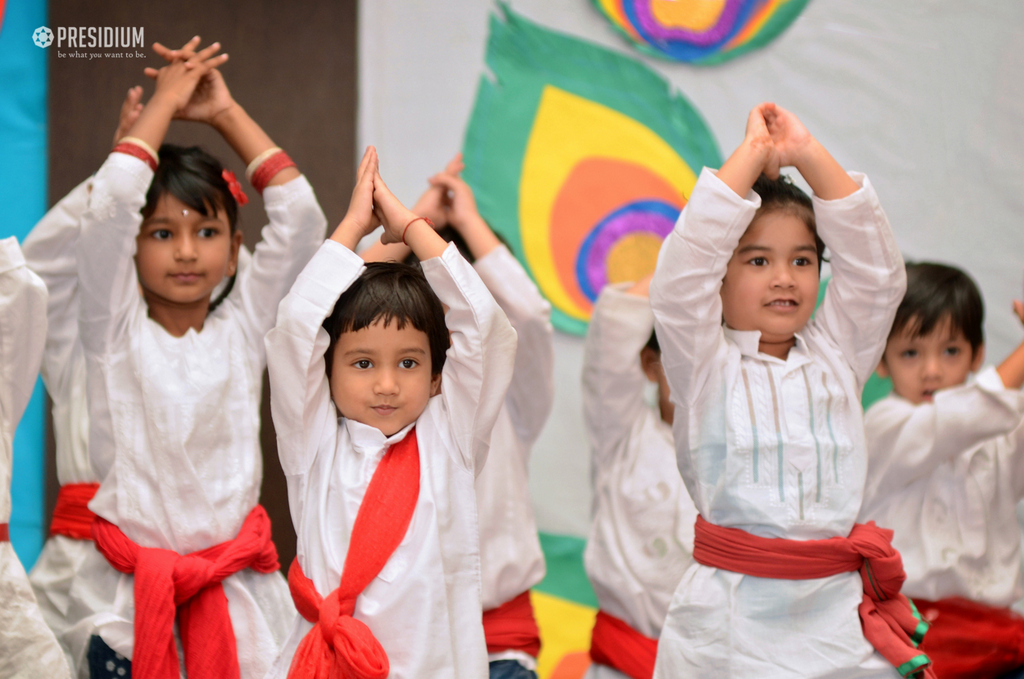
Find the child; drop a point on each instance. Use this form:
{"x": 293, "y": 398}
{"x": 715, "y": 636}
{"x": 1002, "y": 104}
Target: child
{"x": 50, "y": 252}
{"x": 946, "y": 472}
{"x": 768, "y": 420}
{"x": 27, "y": 646}
{"x": 356, "y": 360}
{"x": 511, "y": 560}
{"x": 641, "y": 533}
{"x": 174, "y": 381}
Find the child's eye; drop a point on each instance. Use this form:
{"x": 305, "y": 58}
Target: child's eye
{"x": 909, "y": 353}
{"x": 802, "y": 261}
{"x": 759, "y": 261}
{"x": 162, "y": 234}
{"x": 207, "y": 232}
{"x": 408, "y": 363}
{"x": 952, "y": 351}
{"x": 363, "y": 364}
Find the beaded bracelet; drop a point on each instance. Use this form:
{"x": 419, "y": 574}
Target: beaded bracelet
{"x": 136, "y": 151}
{"x": 426, "y": 219}
{"x": 268, "y": 169}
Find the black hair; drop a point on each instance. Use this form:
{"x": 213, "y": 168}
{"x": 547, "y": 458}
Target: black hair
{"x": 390, "y": 291}
{"x": 936, "y": 292}
{"x": 450, "y": 235}
{"x": 652, "y": 342}
{"x": 194, "y": 177}
{"x": 782, "y": 195}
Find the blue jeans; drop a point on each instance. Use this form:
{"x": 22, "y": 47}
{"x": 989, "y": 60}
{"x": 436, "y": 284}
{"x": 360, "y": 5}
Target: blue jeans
{"x": 510, "y": 669}
{"x": 105, "y": 663}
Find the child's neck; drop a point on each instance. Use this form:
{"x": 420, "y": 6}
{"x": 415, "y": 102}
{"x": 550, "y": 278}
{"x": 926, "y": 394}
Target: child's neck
{"x": 177, "y": 317}
{"x": 778, "y": 349}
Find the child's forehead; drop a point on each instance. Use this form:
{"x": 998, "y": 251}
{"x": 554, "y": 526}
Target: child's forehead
{"x": 943, "y": 329}
{"x": 777, "y": 229}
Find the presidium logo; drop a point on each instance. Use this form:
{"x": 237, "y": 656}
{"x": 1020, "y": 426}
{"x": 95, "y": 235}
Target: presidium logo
{"x": 92, "y": 37}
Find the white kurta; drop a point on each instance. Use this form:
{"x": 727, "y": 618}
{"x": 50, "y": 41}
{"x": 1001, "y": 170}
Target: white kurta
{"x": 641, "y": 532}
{"x": 51, "y": 252}
{"x": 774, "y": 447}
{"x": 511, "y": 560}
{"x": 947, "y": 476}
{"x": 174, "y": 421}
{"x": 28, "y": 648}
{"x": 424, "y": 607}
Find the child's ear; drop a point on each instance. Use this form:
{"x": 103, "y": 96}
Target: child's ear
{"x": 650, "y": 361}
{"x": 979, "y": 358}
{"x": 236, "y": 245}
{"x": 435, "y": 384}
{"x": 882, "y": 370}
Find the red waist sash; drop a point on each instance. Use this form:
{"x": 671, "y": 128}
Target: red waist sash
{"x": 512, "y": 627}
{"x": 339, "y": 645}
{"x": 615, "y": 644}
{"x": 166, "y": 581}
{"x": 887, "y": 617}
{"x": 71, "y": 516}
{"x": 5, "y": 532}
{"x": 969, "y": 640}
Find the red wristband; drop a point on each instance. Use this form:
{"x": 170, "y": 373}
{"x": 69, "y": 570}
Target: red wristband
{"x": 135, "y": 151}
{"x": 410, "y": 224}
{"x": 268, "y": 169}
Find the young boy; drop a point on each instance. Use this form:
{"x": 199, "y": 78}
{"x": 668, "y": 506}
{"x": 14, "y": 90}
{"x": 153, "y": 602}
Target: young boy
{"x": 511, "y": 560}
{"x": 946, "y": 472}
{"x": 641, "y": 532}
{"x": 767, "y": 426}
{"x": 381, "y": 473}
{"x": 27, "y": 646}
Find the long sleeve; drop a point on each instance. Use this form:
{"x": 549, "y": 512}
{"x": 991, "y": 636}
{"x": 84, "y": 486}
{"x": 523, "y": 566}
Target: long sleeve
{"x": 295, "y": 231}
{"x": 50, "y": 251}
{"x": 686, "y": 284}
{"x": 868, "y": 276}
{"x": 531, "y": 394}
{"x": 22, "y": 336}
{"x": 613, "y": 379}
{"x": 479, "y": 364}
{"x": 300, "y": 396}
{"x": 907, "y": 442}
{"x": 106, "y": 249}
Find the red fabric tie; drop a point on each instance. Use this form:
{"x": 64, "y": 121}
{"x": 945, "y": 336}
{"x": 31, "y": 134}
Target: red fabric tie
{"x": 166, "y": 580}
{"x": 71, "y": 516}
{"x": 615, "y": 644}
{"x": 339, "y": 646}
{"x": 969, "y": 640}
{"x": 886, "y": 616}
{"x": 512, "y": 627}
{"x": 5, "y": 532}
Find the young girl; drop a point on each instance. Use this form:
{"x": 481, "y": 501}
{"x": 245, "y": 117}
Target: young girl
{"x": 641, "y": 532}
{"x": 946, "y": 471}
{"x": 382, "y": 423}
{"x": 174, "y": 389}
{"x": 50, "y": 251}
{"x": 27, "y": 646}
{"x": 768, "y": 424}
{"x": 511, "y": 560}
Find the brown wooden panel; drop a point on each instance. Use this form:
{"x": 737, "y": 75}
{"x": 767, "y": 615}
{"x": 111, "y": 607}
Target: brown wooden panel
{"x": 292, "y": 66}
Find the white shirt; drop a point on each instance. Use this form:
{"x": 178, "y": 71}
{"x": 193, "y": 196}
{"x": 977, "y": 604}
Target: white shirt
{"x": 27, "y": 646}
{"x": 511, "y": 560}
{"x": 174, "y": 421}
{"x": 946, "y": 476}
{"x": 424, "y": 607}
{"x": 641, "y": 533}
{"x": 774, "y": 447}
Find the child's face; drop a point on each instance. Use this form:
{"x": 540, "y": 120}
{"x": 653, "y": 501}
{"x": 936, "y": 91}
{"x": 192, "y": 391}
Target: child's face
{"x": 771, "y": 283}
{"x": 920, "y": 366}
{"x": 381, "y": 376}
{"x": 181, "y": 255}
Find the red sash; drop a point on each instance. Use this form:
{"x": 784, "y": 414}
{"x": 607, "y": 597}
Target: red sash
{"x": 339, "y": 645}
{"x": 970, "y": 640}
{"x": 512, "y": 627}
{"x": 166, "y": 581}
{"x": 887, "y": 617}
{"x": 615, "y": 644}
{"x": 71, "y": 516}
{"x": 5, "y": 532}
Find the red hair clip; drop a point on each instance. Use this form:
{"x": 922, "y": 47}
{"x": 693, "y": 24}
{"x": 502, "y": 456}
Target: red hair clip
{"x": 234, "y": 186}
